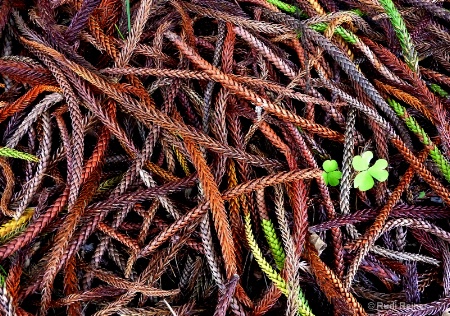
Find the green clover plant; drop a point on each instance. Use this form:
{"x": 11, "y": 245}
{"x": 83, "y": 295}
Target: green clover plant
{"x": 331, "y": 175}
{"x": 364, "y": 179}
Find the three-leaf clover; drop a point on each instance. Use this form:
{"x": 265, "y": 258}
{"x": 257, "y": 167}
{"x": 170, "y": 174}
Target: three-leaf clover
{"x": 331, "y": 175}
{"x": 364, "y": 179}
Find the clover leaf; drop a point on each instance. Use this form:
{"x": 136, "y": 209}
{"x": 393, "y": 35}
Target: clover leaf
{"x": 331, "y": 175}
{"x": 361, "y": 163}
{"x": 378, "y": 170}
{"x": 364, "y": 179}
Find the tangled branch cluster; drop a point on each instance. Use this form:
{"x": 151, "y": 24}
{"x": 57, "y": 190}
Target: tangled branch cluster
{"x": 162, "y": 157}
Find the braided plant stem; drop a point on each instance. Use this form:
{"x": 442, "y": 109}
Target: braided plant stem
{"x": 209, "y": 88}
{"x": 8, "y": 189}
{"x": 292, "y": 260}
{"x": 403, "y": 36}
{"x": 414, "y": 126}
{"x": 31, "y": 188}
{"x": 346, "y": 166}
{"x": 270, "y": 272}
{"x": 395, "y": 140}
{"x": 330, "y": 283}
{"x": 353, "y": 72}
{"x": 12, "y": 153}
{"x": 375, "y": 231}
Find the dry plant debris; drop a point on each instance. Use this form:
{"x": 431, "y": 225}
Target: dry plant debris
{"x": 164, "y": 157}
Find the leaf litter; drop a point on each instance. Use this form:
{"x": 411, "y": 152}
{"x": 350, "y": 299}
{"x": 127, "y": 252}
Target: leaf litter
{"x": 213, "y": 157}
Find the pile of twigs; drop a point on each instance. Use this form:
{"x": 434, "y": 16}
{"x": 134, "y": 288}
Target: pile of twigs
{"x": 165, "y": 157}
